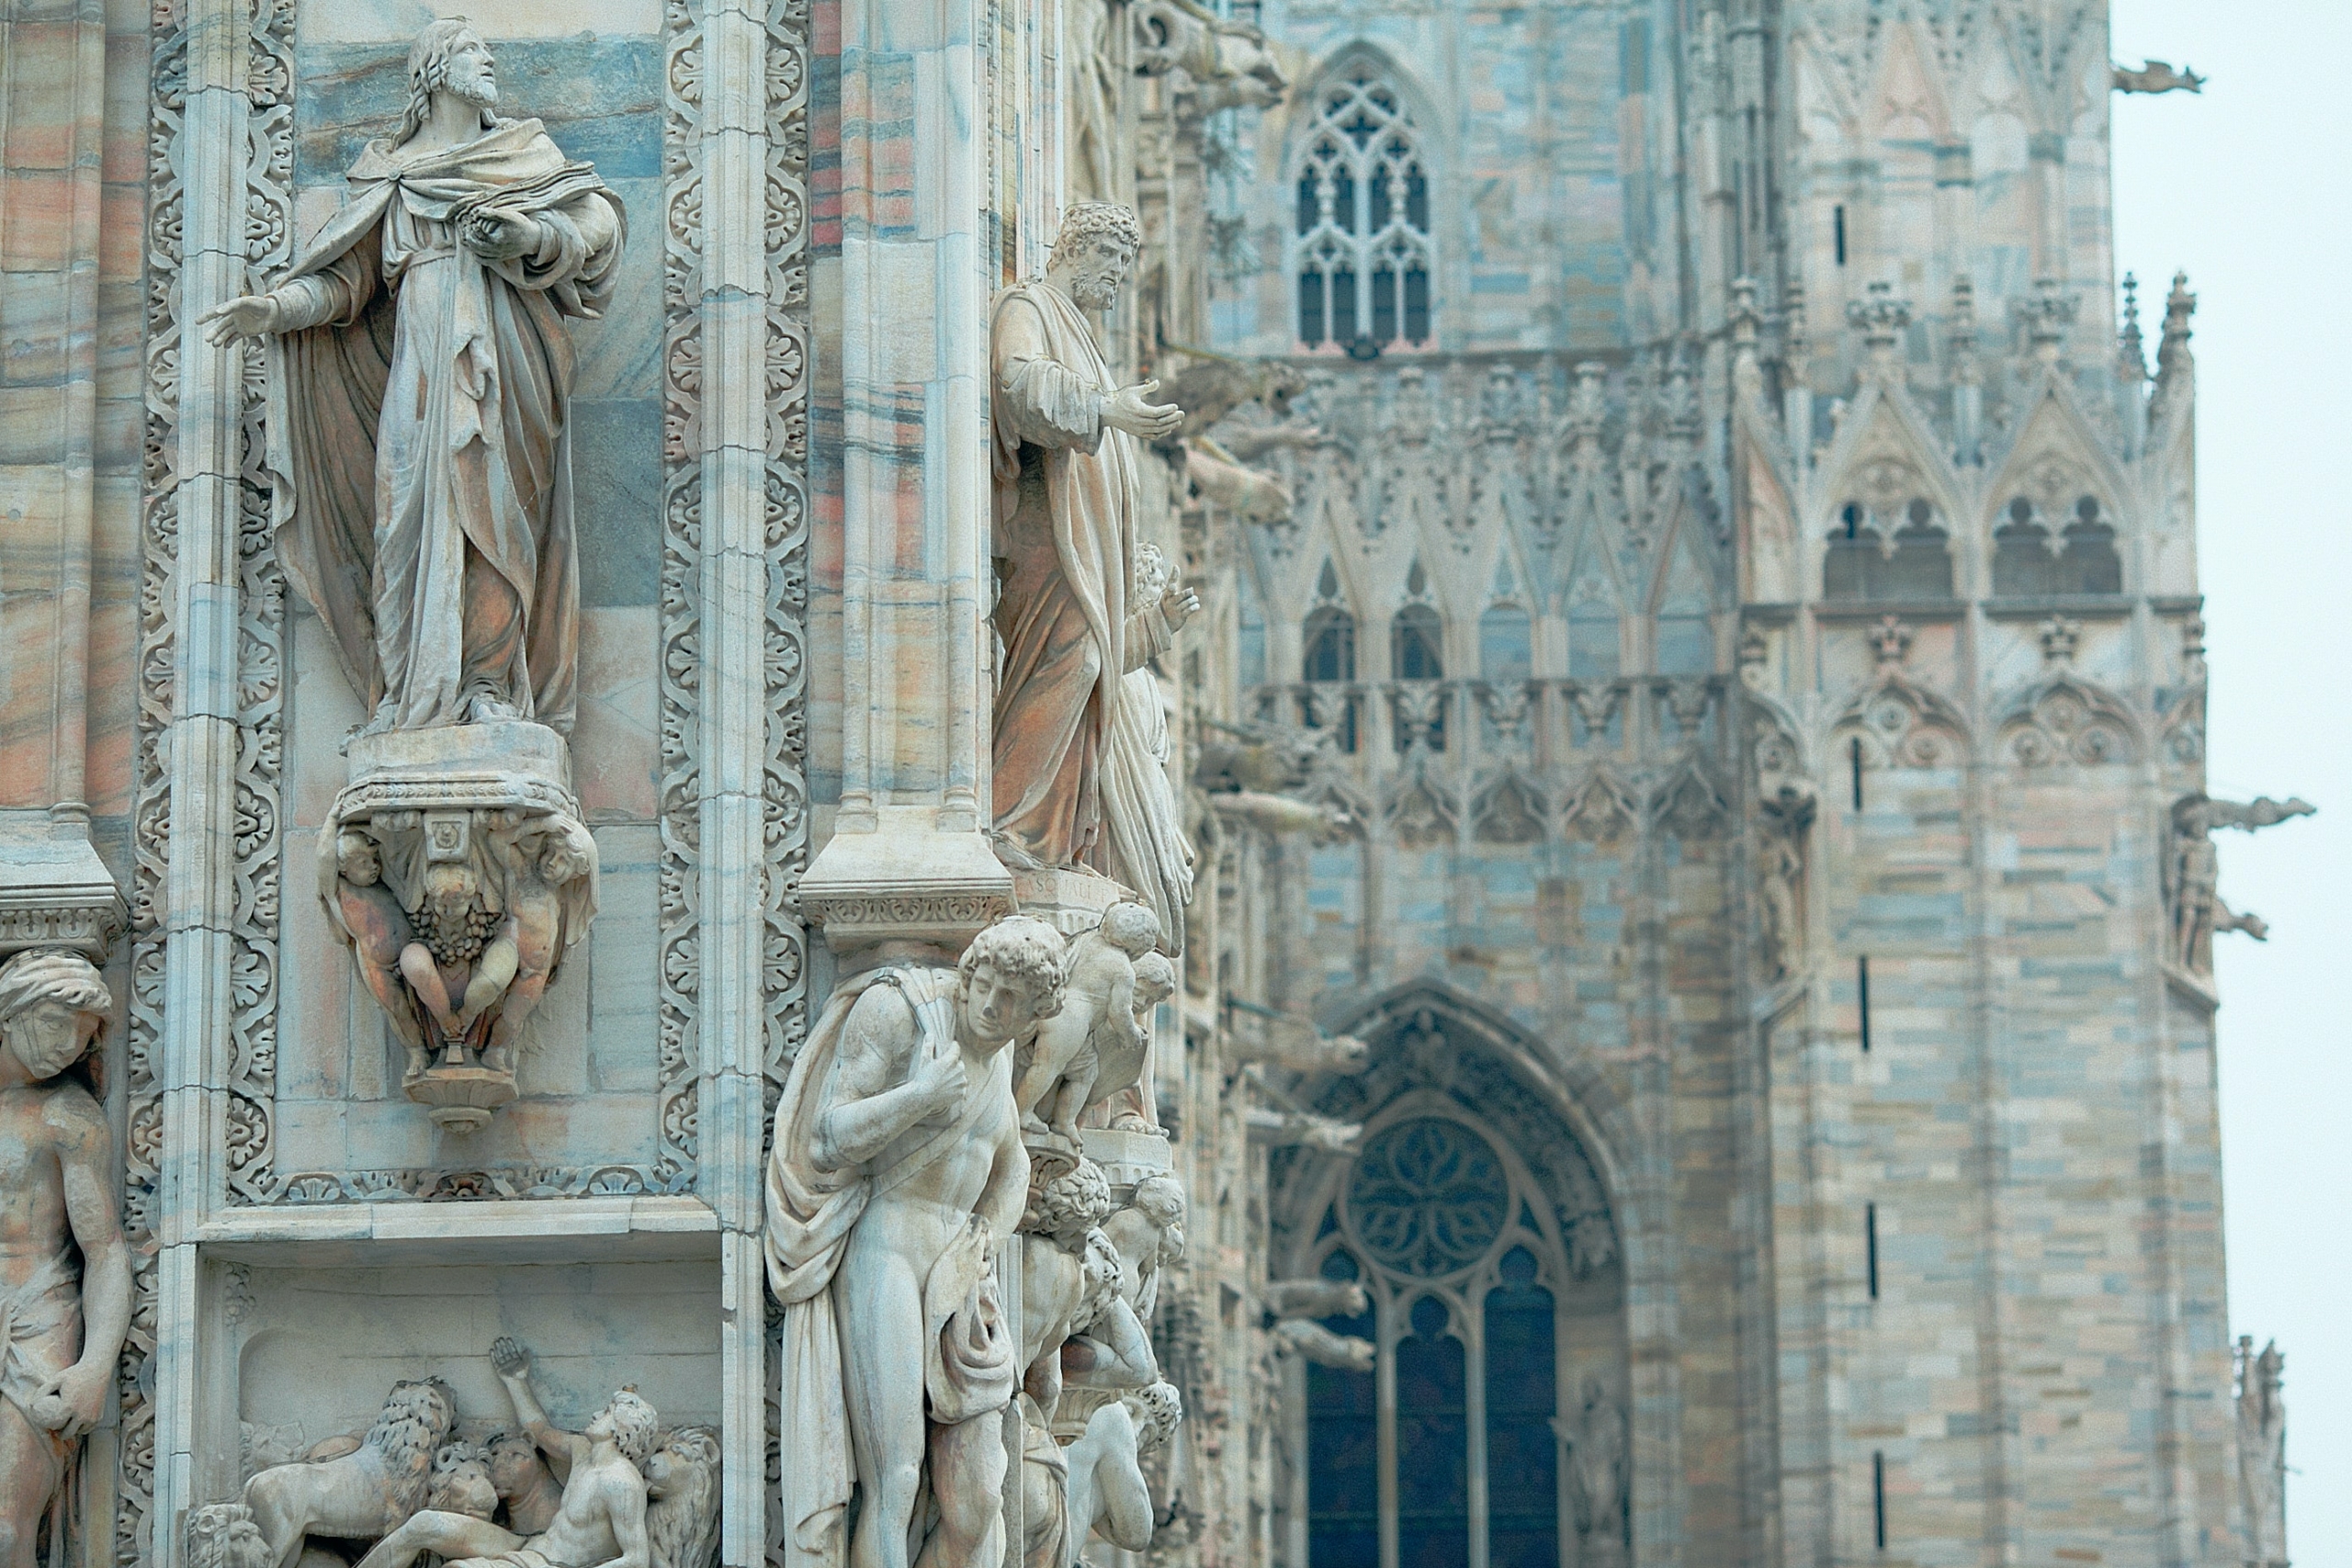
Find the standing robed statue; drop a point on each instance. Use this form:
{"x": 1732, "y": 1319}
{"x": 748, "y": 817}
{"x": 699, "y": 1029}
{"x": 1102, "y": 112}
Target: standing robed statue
{"x": 419, "y": 401}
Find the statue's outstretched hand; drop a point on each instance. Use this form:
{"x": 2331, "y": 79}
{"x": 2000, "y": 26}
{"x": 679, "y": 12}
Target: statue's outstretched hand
{"x": 509, "y": 1359}
{"x": 1179, "y": 604}
{"x": 1132, "y": 410}
{"x": 248, "y": 315}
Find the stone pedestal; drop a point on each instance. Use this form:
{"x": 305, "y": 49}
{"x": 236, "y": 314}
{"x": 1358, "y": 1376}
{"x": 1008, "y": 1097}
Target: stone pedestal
{"x": 1127, "y": 1158}
{"x": 54, "y": 891}
{"x": 1070, "y": 900}
{"x": 456, "y": 867}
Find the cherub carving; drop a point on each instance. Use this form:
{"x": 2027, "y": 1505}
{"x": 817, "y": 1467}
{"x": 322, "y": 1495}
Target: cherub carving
{"x": 1123, "y": 1098}
{"x": 1147, "y": 1232}
{"x": 372, "y": 921}
{"x": 552, "y": 865}
{"x": 1098, "y": 1014}
{"x": 362, "y": 1494}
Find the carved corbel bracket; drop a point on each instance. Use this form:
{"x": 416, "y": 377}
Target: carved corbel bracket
{"x": 455, "y": 868}
{"x": 903, "y": 885}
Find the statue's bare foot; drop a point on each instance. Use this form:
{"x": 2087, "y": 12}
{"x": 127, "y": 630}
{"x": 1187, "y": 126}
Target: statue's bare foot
{"x": 483, "y": 708}
{"x": 418, "y": 1060}
{"x": 1133, "y": 1122}
{"x": 498, "y": 1059}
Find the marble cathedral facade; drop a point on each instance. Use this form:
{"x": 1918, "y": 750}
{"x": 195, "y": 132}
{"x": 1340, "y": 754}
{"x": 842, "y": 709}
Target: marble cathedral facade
{"x": 1427, "y": 783}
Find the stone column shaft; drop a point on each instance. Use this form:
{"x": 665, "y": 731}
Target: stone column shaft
{"x": 736, "y": 136}
{"x": 196, "y": 1044}
{"x": 915, "y": 484}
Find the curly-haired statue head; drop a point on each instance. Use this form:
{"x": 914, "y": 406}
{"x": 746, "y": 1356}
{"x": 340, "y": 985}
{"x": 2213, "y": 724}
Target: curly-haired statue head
{"x": 1009, "y": 980}
{"x": 1157, "y": 1411}
{"x": 1155, "y": 980}
{"x": 630, "y": 1422}
{"x": 1093, "y": 253}
{"x": 1069, "y": 1206}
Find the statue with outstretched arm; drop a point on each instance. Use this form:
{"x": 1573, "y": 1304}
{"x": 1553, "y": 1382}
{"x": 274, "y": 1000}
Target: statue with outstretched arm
{"x": 599, "y": 1524}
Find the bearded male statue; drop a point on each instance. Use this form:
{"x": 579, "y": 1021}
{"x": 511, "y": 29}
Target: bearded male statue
{"x": 1065, "y": 477}
{"x": 64, "y": 1268}
{"x": 419, "y": 403}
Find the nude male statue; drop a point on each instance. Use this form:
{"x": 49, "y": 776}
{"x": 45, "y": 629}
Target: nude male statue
{"x": 898, "y": 1167}
{"x": 599, "y": 1524}
{"x": 61, "y": 1326}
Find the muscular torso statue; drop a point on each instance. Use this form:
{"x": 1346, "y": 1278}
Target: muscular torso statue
{"x": 62, "y": 1325}
{"x": 898, "y": 1167}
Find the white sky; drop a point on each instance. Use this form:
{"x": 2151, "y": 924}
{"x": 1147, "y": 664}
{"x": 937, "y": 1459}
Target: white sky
{"x": 2245, "y": 188}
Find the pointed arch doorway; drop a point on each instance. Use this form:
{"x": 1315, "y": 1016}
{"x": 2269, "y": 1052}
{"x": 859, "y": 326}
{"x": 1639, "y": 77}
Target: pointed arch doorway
{"x": 1491, "y": 1429}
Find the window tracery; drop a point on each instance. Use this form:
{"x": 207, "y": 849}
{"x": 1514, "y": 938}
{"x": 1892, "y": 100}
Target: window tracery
{"x": 1440, "y": 1229}
{"x": 1361, "y": 242}
{"x": 1327, "y": 656}
{"x": 1417, "y": 653}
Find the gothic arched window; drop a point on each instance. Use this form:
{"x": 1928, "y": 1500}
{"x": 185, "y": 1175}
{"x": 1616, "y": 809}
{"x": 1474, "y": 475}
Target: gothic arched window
{"x": 1328, "y": 654}
{"x": 1907, "y": 556}
{"x": 1439, "y": 1226}
{"x": 1416, "y": 644}
{"x": 2028, "y": 562}
{"x": 1360, "y": 236}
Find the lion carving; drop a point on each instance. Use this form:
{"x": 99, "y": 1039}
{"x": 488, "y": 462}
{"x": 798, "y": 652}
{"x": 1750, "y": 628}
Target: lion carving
{"x": 223, "y": 1535}
{"x": 365, "y": 1494}
{"x": 682, "y": 1480}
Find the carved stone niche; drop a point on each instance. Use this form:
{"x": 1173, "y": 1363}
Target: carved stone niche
{"x": 455, "y": 868}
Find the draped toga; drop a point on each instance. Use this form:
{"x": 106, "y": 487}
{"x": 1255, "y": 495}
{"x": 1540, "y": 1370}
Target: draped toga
{"x": 1065, "y": 496}
{"x": 420, "y": 430}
